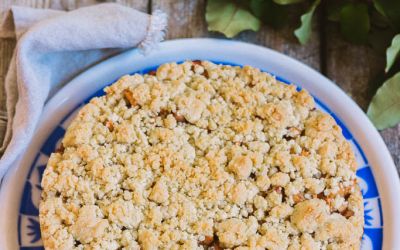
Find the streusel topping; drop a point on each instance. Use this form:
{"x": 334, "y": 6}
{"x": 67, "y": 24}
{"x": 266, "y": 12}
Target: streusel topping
{"x": 202, "y": 156}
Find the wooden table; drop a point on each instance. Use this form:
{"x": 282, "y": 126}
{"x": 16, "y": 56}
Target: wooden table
{"x": 351, "y": 67}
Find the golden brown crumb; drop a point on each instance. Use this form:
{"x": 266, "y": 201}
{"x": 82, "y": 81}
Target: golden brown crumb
{"x": 202, "y": 156}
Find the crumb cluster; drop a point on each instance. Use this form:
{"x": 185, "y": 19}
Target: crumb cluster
{"x": 202, "y": 156}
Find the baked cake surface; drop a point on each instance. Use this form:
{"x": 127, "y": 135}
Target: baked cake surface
{"x": 202, "y": 156}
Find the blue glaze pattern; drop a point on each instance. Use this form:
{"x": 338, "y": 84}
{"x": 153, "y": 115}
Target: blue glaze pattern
{"x": 28, "y": 222}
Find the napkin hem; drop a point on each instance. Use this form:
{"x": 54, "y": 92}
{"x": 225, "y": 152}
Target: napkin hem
{"x": 155, "y": 32}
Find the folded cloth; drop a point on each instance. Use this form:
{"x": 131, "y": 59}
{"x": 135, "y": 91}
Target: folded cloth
{"x": 53, "y": 47}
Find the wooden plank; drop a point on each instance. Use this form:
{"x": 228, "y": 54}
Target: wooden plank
{"x": 185, "y": 17}
{"x": 6, "y": 50}
{"x": 391, "y": 136}
{"x": 141, "y": 5}
{"x": 284, "y": 41}
{"x": 352, "y": 68}
{"x": 5, "y": 4}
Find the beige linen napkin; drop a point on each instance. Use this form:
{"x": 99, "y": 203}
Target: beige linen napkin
{"x": 53, "y": 47}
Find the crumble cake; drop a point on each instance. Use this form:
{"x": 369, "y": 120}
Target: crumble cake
{"x": 202, "y": 156}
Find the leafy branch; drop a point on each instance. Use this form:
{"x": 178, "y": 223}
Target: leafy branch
{"x": 372, "y": 22}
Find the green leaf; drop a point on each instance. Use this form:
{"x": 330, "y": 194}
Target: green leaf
{"x": 392, "y": 52}
{"x": 269, "y": 12}
{"x": 379, "y": 8}
{"x": 303, "y": 33}
{"x": 229, "y": 18}
{"x": 286, "y": 2}
{"x": 391, "y": 10}
{"x": 333, "y": 10}
{"x": 354, "y": 22}
{"x": 258, "y": 7}
{"x": 384, "y": 109}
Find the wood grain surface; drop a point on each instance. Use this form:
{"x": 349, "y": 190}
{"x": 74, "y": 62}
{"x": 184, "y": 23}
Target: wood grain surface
{"x": 351, "y": 67}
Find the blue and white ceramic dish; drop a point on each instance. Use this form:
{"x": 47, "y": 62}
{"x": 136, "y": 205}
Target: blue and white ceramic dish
{"x": 20, "y": 192}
